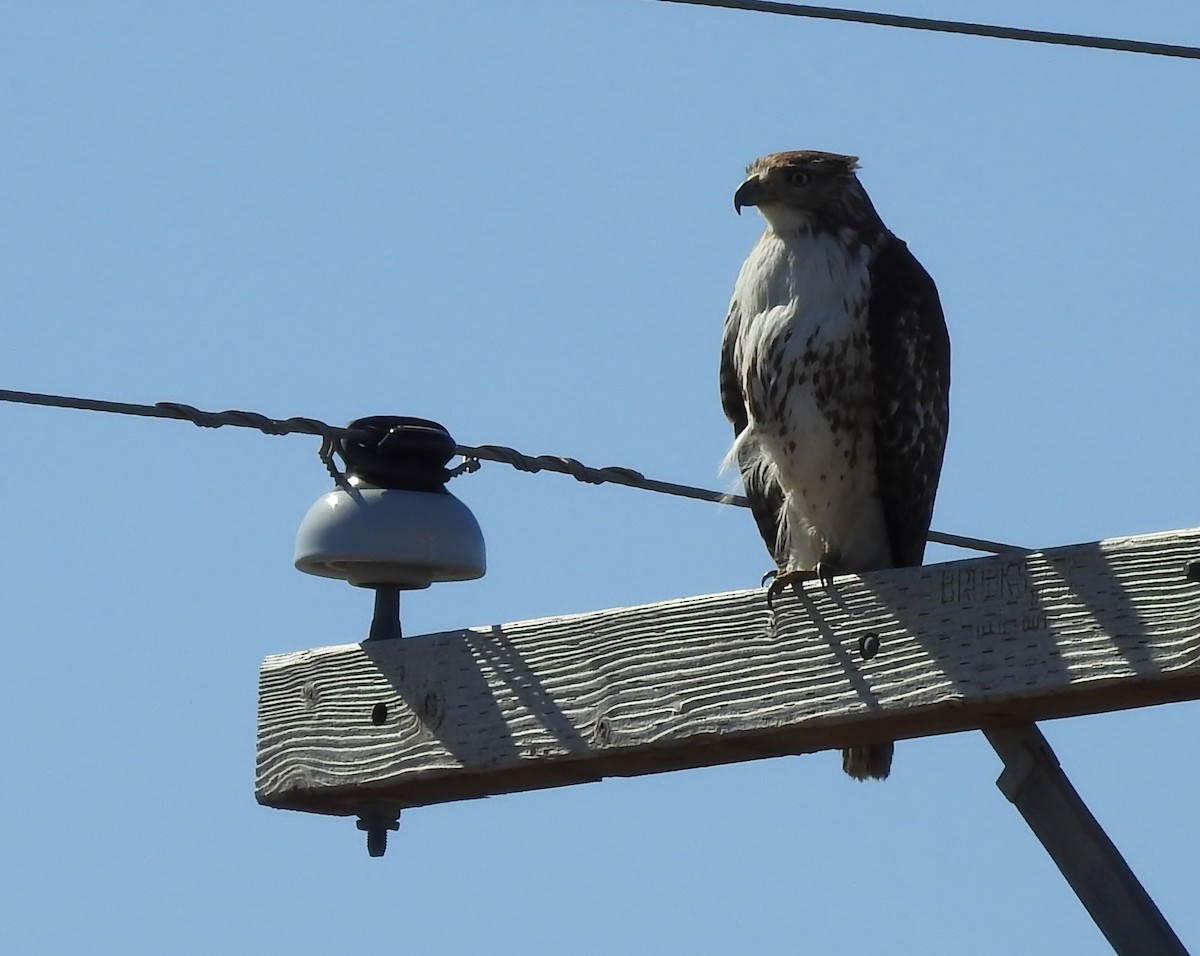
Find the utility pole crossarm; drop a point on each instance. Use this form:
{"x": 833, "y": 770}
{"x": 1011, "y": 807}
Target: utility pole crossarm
{"x": 719, "y": 678}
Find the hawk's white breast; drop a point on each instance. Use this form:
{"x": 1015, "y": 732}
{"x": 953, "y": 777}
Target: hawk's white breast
{"x": 804, "y": 362}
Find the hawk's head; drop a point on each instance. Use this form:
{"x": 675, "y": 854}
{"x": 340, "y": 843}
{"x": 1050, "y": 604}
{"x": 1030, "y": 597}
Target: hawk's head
{"x": 804, "y": 189}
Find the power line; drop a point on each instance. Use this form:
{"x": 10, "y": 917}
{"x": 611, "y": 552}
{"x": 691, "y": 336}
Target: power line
{"x": 471, "y": 454}
{"x": 635, "y": 479}
{"x": 593, "y": 476}
{"x": 181, "y": 412}
{"x": 951, "y": 26}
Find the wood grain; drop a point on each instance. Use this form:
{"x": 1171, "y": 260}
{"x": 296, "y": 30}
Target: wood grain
{"x": 718, "y": 678}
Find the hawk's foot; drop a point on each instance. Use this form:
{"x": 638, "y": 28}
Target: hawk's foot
{"x": 780, "y": 581}
{"x": 825, "y": 571}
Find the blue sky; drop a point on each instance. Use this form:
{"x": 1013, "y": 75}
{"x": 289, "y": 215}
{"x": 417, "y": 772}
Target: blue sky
{"x": 516, "y": 219}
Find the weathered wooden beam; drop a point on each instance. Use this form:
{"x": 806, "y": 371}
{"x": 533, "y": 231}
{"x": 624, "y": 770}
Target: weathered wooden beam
{"x": 1117, "y": 901}
{"x": 367, "y": 728}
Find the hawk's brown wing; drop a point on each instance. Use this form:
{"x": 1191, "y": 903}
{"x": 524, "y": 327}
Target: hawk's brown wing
{"x": 910, "y": 359}
{"x": 763, "y": 493}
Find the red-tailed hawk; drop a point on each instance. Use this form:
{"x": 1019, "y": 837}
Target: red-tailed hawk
{"x": 835, "y": 372}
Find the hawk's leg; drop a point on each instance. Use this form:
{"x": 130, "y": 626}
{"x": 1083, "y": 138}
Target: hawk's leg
{"x": 826, "y": 569}
{"x": 780, "y": 579}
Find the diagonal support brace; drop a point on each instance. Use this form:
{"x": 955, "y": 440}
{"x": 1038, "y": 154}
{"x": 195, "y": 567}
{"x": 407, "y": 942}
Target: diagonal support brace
{"x": 1035, "y": 783}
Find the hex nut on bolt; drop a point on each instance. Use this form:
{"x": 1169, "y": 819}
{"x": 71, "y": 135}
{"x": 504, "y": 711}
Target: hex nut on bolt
{"x": 868, "y": 645}
{"x": 376, "y": 827}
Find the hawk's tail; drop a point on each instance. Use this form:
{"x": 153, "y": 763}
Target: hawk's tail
{"x": 872, "y": 762}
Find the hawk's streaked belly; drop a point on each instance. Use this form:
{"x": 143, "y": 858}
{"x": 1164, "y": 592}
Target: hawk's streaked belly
{"x": 805, "y": 362}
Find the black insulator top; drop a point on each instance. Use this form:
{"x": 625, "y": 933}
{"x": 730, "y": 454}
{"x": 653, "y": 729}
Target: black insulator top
{"x": 402, "y": 453}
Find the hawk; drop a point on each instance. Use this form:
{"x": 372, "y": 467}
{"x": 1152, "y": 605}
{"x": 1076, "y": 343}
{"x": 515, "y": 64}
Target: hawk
{"x": 835, "y": 372}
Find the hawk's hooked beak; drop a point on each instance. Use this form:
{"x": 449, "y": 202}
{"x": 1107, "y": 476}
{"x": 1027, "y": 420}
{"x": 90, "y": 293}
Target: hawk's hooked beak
{"x": 748, "y": 194}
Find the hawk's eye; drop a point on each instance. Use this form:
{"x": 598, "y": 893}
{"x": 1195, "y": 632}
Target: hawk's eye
{"x": 799, "y": 177}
